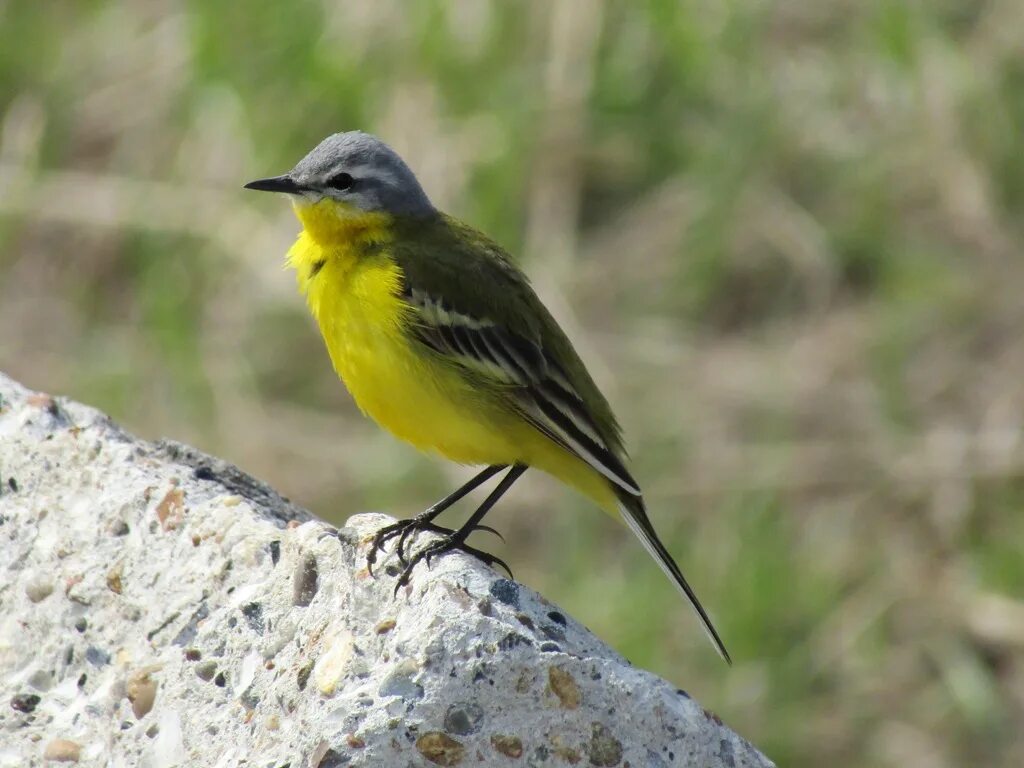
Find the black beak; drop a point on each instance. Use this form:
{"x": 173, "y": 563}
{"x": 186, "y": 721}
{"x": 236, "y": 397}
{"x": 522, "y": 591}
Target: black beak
{"x": 283, "y": 183}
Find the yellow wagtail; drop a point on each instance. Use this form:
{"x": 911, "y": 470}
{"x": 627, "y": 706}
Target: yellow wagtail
{"x": 441, "y": 340}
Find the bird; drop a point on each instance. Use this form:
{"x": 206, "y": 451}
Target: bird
{"x": 440, "y": 338}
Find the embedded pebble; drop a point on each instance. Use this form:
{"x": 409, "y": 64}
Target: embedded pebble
{"x": 557, "y": 617}
{"x": 41, "y": 680}
{"x": 384, "y": 627}
{"x": 253, "y": 613}
{"x": 302, "y": 678}
{"x": 505, "y": 591}
{"x": 24, "y": 702}
{"x": 63, "y": 751}
{"x": 332, "y": 759}
{"x": 206, "y": 670}
{"x": 141, "y": 691}
{"x": 38, "y": 587}
{"x": 97, "y": 656}
{"x": 332, "y": 663}
{"x": 564, "y": 687}
{"x": 171, "y": 509}
{"x": 440, "y": 748}
{"x": 114, "y": 579}
{"x": 463, "y": 718}
{"x": 305, "y": 582}
{"x": 510, "y": 746}
{"x": 604, "y": 749}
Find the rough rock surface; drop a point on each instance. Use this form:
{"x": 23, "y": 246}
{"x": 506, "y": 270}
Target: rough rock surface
{"x": 158, "y": 608}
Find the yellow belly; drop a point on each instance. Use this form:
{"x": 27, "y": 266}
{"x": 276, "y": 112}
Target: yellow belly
{"x": 418, "y": 400}
{"x": 421, "y": 401}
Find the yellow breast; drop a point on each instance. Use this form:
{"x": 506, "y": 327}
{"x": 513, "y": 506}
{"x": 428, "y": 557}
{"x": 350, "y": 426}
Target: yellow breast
{"x": 352, "y": 287}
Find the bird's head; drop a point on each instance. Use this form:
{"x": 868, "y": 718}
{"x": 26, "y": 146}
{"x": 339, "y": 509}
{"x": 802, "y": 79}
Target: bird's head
{"x": 349, "y": 179}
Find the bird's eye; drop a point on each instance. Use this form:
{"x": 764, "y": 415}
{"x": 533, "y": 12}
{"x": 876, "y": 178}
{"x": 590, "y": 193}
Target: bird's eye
{"x": 341, "y": 181}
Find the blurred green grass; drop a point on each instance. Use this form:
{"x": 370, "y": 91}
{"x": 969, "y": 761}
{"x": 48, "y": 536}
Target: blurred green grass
{"x": 786, "y": 236}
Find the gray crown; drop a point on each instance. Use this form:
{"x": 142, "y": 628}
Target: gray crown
{"x": 381, "y": 179}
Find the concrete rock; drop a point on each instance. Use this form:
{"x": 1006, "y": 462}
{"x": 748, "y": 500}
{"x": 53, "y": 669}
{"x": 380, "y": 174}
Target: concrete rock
{"x": 159, "y": 608}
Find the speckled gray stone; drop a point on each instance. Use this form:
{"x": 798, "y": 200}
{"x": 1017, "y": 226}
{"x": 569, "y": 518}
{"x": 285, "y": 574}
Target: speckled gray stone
{"x": 158, "y": 608}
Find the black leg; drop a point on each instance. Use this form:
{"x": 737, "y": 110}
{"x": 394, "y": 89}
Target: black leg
{"x": 424, "y": 521}
{"x": 457, "y": 539}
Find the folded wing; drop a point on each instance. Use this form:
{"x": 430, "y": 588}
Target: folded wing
{"x": 537, "y": 385}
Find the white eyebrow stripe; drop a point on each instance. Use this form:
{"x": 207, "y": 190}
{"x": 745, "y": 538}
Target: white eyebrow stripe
{"x": 368, "y": 171}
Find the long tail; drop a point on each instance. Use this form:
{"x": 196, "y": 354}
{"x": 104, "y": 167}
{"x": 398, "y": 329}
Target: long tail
{"x": 635, "y": 515}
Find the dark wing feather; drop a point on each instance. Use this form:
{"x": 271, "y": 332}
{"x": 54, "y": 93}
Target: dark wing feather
{"x": 535, "y": 382}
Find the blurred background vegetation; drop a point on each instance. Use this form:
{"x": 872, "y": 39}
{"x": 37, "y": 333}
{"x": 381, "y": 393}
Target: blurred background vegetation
{"x": 785, "y": 235}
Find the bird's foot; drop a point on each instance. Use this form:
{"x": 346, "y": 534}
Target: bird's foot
{"x": 454, "y": 541}
{"x": 403, "y": 529}
{"x": 400, "y": 528}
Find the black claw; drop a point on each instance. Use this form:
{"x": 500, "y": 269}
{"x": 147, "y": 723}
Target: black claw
{"x": 451, "y": 540}
{"x": 490, "y": 530}
{"x": 488, "y": 559}
{"x": 428, "y": 553}
{"x": 497, "y": 561}
{"x": 402, "y": 529}
{"x": 425, "y": 526}
{"x": 401, "y": 581}
{"x": 400, "y": 548}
